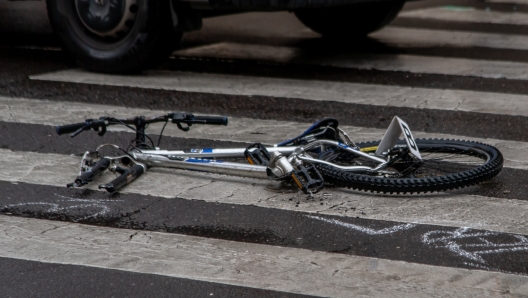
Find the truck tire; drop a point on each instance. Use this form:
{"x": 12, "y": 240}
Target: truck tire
{"x": 114, "y": 36}
{"x": 354, "y": 21}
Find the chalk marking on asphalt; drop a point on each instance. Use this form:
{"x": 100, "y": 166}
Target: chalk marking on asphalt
{"x": 55, "y": 208}
{"x": 366, "y": 230}
{"x": 468, "y": 14}
{"x": 458, "y": 241}
{"x": 478, "y": 212}
{"x": 243, "y": 264}
{"x": 379, "y": 95}
{"x": 248, "y": 130}
{"x": 386, "y": 62}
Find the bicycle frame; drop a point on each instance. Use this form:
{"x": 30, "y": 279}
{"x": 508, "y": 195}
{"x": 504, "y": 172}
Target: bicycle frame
{"x": 279, "y": 162}
{"x": 202, "y": 159}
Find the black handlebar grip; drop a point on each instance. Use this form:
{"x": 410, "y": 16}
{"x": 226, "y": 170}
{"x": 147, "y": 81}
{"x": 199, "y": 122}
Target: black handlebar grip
{"x": 88, "y": 176}
{"x": 127, "y": 177}
{"x": 213, "y": 120}
{"x": 69, "y": 128}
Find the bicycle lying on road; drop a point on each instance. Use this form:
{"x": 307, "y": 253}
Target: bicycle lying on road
{"x": 322, "y": 155}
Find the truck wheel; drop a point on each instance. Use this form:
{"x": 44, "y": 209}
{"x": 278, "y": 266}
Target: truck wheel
{"x": 114, "y": 36}
{"x": 356, "y": 20}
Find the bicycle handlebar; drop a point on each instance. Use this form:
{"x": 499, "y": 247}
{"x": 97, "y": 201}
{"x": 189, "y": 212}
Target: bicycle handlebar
{"x": 140, "y": 122}
{"x": 211, "y": 120}
{"x": 77, "y": 128}
{"x": 69, "y": 128}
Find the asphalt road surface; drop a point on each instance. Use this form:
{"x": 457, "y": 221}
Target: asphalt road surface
{"x": 450, "y": 69}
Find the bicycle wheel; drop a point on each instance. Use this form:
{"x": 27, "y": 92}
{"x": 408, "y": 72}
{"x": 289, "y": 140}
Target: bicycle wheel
{"x": 445, "y": 165}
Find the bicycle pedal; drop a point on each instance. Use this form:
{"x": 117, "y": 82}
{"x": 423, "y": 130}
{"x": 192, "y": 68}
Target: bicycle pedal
{"x": 257, "y": 154}
{"x": 127, "y": 176}
{"x": 308, "y": 179}
{"x": 88, "y": 173}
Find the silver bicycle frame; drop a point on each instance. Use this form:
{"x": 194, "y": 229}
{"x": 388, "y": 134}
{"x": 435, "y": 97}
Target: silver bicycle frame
{"x": 203, "y": 159}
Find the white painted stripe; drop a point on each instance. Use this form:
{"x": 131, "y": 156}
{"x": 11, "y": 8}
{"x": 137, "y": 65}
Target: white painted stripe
{"x": 521, "y": 2}
{"x": 243, "y": 264}
{"x": 412, "y": 37}
{"x": 467, "y": 14}
{"x": 478, "y": 212}
{"x": 45, "y": 112}
{"x": 421, "y": 98}
{"x": 405, "y": 63}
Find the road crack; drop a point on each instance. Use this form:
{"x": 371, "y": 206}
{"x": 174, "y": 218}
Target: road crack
{"x": 195, "y": 187}
{"x": 50, "y": 229}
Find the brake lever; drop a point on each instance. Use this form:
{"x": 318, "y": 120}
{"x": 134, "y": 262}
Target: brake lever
{"x": 178, "y": 124}
{"x": 78, "y": 131}
{"x": 103, "y": 130}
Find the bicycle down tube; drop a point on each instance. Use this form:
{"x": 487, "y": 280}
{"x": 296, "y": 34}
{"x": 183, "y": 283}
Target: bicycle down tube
{"x": 199, "y": 159}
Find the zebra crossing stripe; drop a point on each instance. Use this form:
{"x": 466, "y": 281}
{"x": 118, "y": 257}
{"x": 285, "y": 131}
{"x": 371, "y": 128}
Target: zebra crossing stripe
{"x": 243, "y": 264}
{"x": 385, "y": 62}
{"x": 467, "y": 14}
{"x": 520, "y": 2}
{"x": 240, "y": 129}
{"x": 478, "y": 212}
{"x": 412, "y": 37}
{"x": 379, "y": 95}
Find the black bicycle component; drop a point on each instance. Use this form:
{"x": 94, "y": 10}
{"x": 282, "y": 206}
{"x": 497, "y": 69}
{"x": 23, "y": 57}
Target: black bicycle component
{"x": 69, "y": 128}
{"x": 140, "y": 123}
{"x": 77, "y": 128}
{"x": 190, "y": 119}
{"x": 257, "y": 154}
{"x": 127, "y": 176}
{"x": 324, "y": 129}
{"x": 86, "y": 177}
{"x": 445, "y": 165}
{"x": 211, "y": 120}
{"x": 308, "y": 178}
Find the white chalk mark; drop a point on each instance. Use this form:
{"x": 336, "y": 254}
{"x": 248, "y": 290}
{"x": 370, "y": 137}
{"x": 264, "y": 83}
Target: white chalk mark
{"x": 473, "y": 245}
{"x": 462, "y": 242}
{"x": 365, "y": 230}
{"x": 56, "y": 207}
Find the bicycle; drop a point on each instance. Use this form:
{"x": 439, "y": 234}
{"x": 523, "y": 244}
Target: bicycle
{"x": 323, "y": 155}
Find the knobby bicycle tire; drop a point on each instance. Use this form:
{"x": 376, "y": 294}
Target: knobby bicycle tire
{"x": 490, "y": 157}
